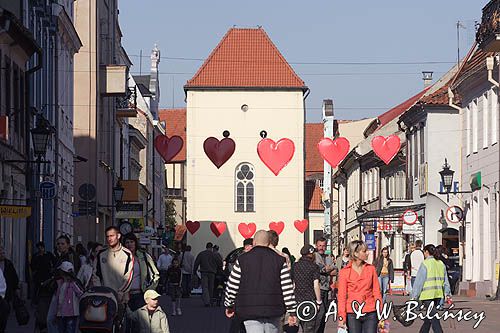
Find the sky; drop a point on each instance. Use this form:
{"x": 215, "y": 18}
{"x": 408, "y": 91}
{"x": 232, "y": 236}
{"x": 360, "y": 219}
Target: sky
{"x": 365, "y": 55}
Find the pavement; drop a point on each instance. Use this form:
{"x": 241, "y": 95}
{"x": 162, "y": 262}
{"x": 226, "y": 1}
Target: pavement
{"x": 196, "y": 318}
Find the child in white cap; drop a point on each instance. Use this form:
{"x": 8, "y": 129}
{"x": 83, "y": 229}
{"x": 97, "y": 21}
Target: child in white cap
{"x": 150, "y": 318}
{"x": 67, "y": 297}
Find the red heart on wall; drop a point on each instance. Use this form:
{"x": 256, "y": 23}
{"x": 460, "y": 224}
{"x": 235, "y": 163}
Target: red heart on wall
{"x": 277, "y": 226}
{"x": 301, "y": 225}
{"x": 276, "y": 155}
{"x": 333, "y": 151}
{"x": 218, "y": 228}
{"x": 247, "y": 229}
{"x": 219, "y": 151}
{"x": 192, "y": 226}
{"x": 168, "y": 147}
{"x": 386, "y": 148}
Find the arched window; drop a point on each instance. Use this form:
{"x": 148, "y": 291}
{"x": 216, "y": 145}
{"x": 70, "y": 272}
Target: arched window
{"x": 244, "y": 188}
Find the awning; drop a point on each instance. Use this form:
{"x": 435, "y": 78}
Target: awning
{"x": 389, "y": 213}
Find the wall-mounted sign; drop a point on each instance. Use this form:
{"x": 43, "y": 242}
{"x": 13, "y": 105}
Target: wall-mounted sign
{"x": 454, "y": 214}
{"x": 47, "y": 190}
{"x": 410, "y": 217}
{"x": 370, "y": 242}
{"x": 15, "y": 211}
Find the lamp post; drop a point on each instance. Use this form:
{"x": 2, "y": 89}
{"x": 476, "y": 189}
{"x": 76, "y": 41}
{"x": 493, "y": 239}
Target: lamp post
{"x": 447, "y": 180}
{"x": 118, "y": 191}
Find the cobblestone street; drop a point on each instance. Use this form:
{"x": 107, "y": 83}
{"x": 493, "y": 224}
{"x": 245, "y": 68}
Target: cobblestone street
{"x": 196, "y": 318}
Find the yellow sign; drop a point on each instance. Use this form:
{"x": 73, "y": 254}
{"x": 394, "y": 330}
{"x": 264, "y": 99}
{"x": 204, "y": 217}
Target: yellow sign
{"x": 497, "y": 270}
{"x": 14, "y": 211}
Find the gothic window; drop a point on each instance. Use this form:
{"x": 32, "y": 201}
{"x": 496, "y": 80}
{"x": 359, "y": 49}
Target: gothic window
{"x": 245, "y": 188}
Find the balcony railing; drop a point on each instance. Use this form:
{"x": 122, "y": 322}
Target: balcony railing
{"x": 126, "y": 106}
{"x": 488, "y": 32}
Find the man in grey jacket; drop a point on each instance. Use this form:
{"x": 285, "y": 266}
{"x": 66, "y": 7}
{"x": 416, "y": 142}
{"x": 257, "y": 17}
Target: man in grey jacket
{"x": 209, "y": 264}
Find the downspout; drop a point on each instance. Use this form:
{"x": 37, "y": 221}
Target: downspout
{"x": 56, "y": 134}
{"x": 490, "y": 63}
{"x": 342, "y": 171}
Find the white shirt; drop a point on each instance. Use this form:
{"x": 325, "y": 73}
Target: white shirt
{"x": 164, "y": 262}
{"x": 3, "y": 284}
{"x": 187, "y": 262}
{"x": 416, "y": 258}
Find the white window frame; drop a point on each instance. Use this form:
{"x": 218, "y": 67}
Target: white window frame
{"x": 475, "y": 123}
{"x": 468, "y": 127}
{"x": 245, "y": 182}
{"x": 486, "y": 118}
{"x": 494, "y": 115}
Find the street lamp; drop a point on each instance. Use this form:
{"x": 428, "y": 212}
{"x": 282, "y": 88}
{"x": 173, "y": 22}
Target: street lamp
{"x": 118, "y": 192}
{"x": 447, "y": 176}
{"x": 40, "y": 136}
{"x": 447, "y": 180}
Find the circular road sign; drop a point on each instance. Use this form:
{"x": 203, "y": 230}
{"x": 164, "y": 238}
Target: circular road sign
{"x": 454, "y": 214}
{"x": 410, "y": 217}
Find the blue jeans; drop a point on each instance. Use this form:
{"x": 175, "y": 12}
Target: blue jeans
{"x": 365, "y": 324}
{"x": 384, "y": 286}
{"x": 263, "y": 325}
{"x": 67, "y": 324}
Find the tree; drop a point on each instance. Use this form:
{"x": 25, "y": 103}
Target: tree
{"x": 170, "y": 213}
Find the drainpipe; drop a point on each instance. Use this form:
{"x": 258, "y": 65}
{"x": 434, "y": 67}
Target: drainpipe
{"x": 343, "y": 172}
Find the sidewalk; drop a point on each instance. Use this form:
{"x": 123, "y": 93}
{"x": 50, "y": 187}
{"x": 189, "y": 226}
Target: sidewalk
{"x": 197, "y": 318}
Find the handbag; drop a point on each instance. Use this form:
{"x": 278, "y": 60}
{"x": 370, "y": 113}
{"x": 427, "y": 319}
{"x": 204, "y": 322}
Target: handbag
{"x": 400, "y": 315}
{"x": 22, "y": 314}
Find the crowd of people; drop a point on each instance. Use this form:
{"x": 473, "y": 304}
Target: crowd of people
{"x": 260, "y": 286}
{"x": 265, "y": 286}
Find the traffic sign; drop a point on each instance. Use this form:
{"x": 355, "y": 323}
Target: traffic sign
{"x": 454, "y": 214}
{"x": 370, "y": 241}
{"x": 47, "y": 190}
{"x": 410, "y": 217}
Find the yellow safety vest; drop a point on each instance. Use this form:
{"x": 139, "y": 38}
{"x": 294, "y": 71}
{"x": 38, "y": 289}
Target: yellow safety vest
{"x": 434, "y": 284}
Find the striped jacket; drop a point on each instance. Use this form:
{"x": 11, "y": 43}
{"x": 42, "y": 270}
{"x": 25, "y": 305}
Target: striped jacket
{"x": 260, "y": 285}
{"x": 114, "y": 269}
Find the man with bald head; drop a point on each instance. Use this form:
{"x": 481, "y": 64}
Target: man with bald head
{"x": 260, "y": 289}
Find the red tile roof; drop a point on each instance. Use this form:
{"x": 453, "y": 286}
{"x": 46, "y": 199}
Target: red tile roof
{"x": 475, "y": 61}
{"x": 314, "y": 161}
{"x": 439, "y": 97}
{"x": 175, "y": 120}
{"x": 398, "y": 110}
{"x": 245, "y": 58}
{"x": 313, "y": 196}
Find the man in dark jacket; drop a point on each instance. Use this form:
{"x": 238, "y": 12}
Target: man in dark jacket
{"x": 10, "y": 274}
{"x": 260, "y": 289}
{"x": 42, "y": 266}
{"x": 209, "y": 265}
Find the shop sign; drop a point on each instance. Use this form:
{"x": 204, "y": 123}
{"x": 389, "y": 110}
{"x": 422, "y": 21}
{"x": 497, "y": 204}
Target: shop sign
{"x": 15, "y": 211}
{"x": 384, "y": 227}
{"x": 370, "y": 241}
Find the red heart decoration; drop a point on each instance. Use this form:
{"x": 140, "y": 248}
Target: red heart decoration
{"x": 219, "y": 151}
{"x": 276, "y": 155}
{"x": 192, "y": 226}
{"x": 301, "y": 225}
{"x": 277, "y": 226}
{"x": 247, "y": 229}
{"x": 333, "y": 151}
{"x": 218, "y": 228}
{"x": 386, "y": 148}
{"x": 168, "y": 147}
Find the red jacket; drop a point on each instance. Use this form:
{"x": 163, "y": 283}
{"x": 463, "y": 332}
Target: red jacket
{"x": 355, "y": 287}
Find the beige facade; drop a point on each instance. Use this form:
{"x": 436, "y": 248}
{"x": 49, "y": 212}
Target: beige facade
{"x": 211, "y": 193}
{"x": 96, "y": 128}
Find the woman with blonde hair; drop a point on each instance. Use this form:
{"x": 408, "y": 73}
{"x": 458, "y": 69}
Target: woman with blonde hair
{"x": 358, "y": 281}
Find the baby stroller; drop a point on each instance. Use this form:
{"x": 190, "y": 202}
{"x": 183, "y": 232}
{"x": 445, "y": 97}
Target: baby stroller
{"x": 99, "y": 311}
{"x": 218, "y": 292}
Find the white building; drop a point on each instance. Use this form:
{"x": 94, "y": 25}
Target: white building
{"x": 479, "y": 170}
{"x": 245, "y": 87}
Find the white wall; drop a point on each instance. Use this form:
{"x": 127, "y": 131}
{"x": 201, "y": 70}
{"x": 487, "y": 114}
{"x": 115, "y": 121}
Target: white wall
{"x": 210, "y": 191}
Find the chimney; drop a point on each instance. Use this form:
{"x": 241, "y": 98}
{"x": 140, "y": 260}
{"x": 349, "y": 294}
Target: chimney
{"x": 327, "y": 108}
{"x": 427, "y": 77}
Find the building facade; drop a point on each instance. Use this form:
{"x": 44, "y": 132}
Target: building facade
{"x": 244, "y": 98}
{"x": 102, "y": 101}
{"x": 17, "y": 195}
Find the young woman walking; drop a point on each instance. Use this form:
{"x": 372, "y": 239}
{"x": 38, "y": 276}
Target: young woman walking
{"x": 385, "y": 271}
{"x": 358, "y": 281}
